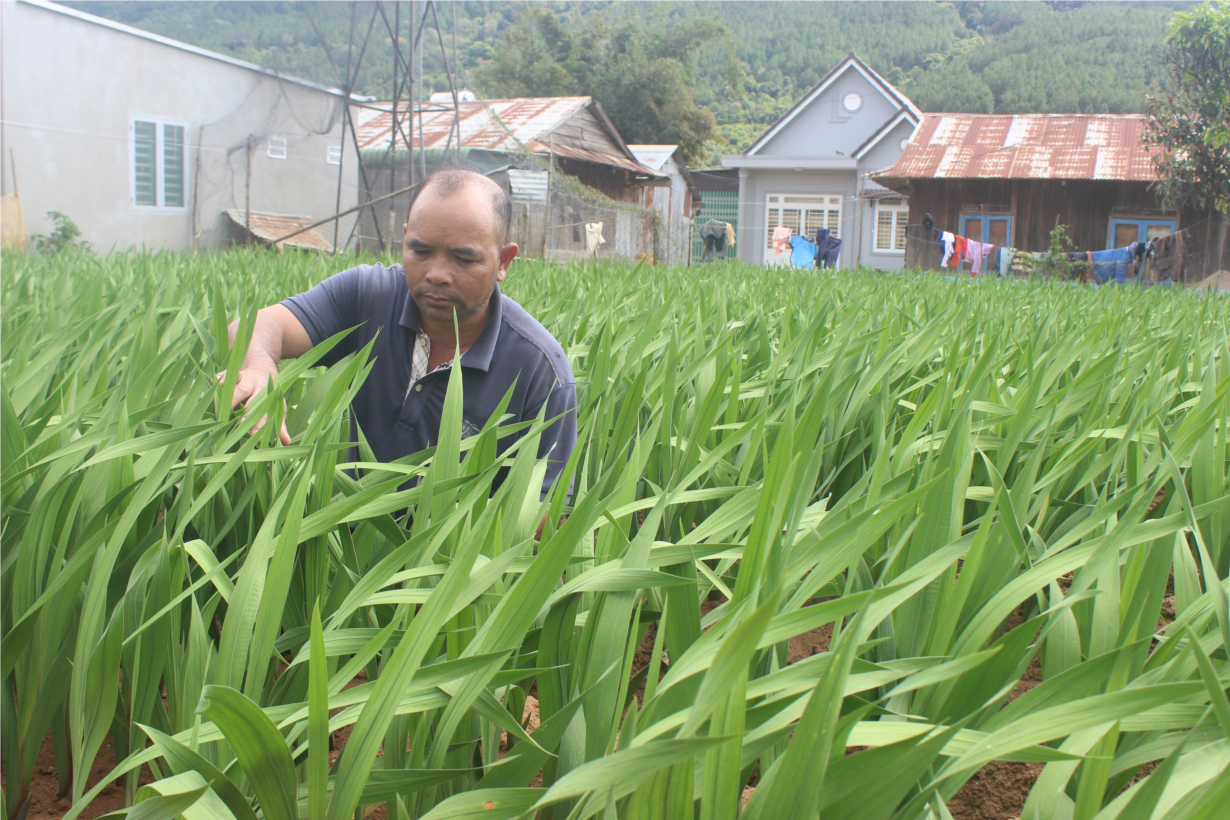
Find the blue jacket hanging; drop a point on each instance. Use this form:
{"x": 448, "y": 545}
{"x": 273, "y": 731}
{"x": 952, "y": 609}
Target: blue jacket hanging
{"x": 1112, "y": 263}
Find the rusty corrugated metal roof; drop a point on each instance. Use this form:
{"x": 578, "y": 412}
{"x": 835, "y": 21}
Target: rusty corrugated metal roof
{"x": 269, "y": 227}
{"x": 586, "y": 155}
{"x": 495, "y": 124}
{"x": 512, "y": 124}
{"x": 1027, "y": 146}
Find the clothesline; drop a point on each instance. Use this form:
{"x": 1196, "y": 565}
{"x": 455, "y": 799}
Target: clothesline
{"x": 1103, "y": 264}
{"x": 954, "y": 233}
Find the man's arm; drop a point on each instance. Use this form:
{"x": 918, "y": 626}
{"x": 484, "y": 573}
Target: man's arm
{"x": 276, "y": 335}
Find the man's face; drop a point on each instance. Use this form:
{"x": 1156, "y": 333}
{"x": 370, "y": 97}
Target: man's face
{"x": 452, "y": 257}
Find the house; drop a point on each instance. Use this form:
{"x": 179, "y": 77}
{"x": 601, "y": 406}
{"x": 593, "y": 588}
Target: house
{"x": 676, "y": 204}
{"x": 809, "y": 170}
{"x": 144, "y": 141}
{"x": 1010, "y": 179}
{"x": 519, "y": 137}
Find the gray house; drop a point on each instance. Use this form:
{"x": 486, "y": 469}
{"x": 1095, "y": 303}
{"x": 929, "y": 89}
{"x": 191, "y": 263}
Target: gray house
{"x": 811, "y": 168}
{"x": 146, "y": 141}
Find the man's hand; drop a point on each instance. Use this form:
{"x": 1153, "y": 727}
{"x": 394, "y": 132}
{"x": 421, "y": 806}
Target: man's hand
{"x": 248, "y": 385}
{"x": 276, "y": 335}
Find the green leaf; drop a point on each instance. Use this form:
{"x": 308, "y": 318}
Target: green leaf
{"x": 162, "y": 807}
{"x": 318, "y": 722}
{"x": 258, "y": 745}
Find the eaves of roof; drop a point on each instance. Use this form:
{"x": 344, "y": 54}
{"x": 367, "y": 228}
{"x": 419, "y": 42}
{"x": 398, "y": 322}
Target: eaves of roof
{"x": 586, "y": 155}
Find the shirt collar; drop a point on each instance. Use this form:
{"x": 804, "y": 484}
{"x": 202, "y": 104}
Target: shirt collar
{"x": 480, "y": 353}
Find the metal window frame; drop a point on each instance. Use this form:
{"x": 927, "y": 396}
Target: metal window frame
{"x": 160, "y": 176}
{"x": 277, "y": 152}
{"x": 986, "y": 231}
{"x": 782, "y": 205}
{"x": 1142, "y": 226}
{"x": 333, "y": 155}
{"x": 901, "y": 213}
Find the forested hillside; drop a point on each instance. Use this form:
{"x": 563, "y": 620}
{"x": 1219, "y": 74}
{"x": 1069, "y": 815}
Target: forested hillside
{"x": 743, "y": 62}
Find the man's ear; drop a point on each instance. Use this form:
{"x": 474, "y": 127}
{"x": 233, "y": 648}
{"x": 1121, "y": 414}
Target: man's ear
{"x": 507, "y": 254}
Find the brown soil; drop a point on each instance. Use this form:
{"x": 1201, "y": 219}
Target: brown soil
{"x": 810, "y": 643}
{"x": 45, "y": 800}
{"x": 997, "y": 791}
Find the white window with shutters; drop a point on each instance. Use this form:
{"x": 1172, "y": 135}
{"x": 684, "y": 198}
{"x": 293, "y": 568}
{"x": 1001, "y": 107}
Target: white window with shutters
{"x": 891, "y": 218}
{"x": 802, "y": 214}
{"x": 159, "y": 159}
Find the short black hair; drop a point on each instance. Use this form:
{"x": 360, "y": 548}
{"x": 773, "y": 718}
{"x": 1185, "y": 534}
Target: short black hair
{"x": 445, "y": 181}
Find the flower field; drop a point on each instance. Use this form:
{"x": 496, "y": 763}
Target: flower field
{"x": 956, "y": 483}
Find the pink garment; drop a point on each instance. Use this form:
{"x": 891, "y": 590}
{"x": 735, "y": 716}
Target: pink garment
{"x": 781, "y": 238}
{"x": 976, "y": 252}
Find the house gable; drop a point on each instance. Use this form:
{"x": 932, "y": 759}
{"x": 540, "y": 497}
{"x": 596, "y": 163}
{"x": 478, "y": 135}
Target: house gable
{"x": 882, "y": 150}
{"x": 840, "y": 115}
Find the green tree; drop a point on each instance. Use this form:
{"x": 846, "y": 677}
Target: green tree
{"x": 951, "y": 87}
{"x": 642, "y": 71}
{"x": 1190, "y": 119}
{"x": 531, "y": 59}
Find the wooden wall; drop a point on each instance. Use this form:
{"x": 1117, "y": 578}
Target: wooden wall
{"x": 1082, "y": 206}
{"x": 616, "y": 183}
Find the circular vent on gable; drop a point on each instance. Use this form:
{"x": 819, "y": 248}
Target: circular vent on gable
{"x": 852, "y": 101}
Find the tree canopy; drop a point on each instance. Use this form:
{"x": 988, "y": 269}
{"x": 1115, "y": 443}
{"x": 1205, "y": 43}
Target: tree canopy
{"x": 1190, "y": 119}
{"x": 641, "y": 71}
{"x": 663, "y": 69}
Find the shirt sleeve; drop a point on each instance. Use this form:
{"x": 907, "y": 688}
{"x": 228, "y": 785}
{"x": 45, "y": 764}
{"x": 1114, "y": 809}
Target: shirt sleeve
{"x": 329, "y": 308}
{"x": 560, "y": 439}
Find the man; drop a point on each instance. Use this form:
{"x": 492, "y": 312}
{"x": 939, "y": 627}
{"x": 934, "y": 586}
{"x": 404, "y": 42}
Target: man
{"x": 453, "y": 258}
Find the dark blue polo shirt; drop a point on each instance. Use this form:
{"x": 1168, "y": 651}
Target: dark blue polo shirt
{"x": 514, "y": 347}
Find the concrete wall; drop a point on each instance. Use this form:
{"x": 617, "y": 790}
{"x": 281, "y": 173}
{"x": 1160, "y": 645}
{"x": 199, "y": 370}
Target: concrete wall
{"x": 756, "y": 185}
{"x": 825, "y": 127}
{"x": 883, "y": 155}
{"x": 71, "y": 91}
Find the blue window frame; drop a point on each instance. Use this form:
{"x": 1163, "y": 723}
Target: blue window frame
{"x": 1123, "y": 232}
{"x": 994, "y": 229}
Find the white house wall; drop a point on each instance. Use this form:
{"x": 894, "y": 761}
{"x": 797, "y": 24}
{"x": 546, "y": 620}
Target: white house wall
{"x": 68, "y": 119}
{"x": 883, "y": 155}
{"x": 756, "y": 185}
{"x": 824, "y": 127}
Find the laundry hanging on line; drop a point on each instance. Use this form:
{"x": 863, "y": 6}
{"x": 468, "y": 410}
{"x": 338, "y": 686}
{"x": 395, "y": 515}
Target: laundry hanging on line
{"x": 715, "y": 235}
{"x": 781, "y": 239}
{"x": 1160, "y": 258}
{"x": 975, "y": 254}
{"x": 803, "y": 254}
{"x": 828, "y": 248}
{"x": 593, "y": 237}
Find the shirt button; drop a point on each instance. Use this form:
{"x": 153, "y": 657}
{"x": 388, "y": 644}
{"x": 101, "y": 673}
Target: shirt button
{"x": 418, "y": 388}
